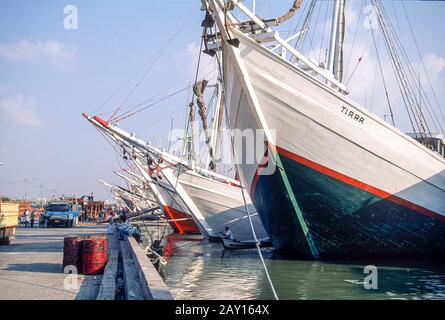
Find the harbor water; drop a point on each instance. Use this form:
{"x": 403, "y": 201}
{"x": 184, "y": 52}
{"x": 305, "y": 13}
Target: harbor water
{"x": 199, "y": 269}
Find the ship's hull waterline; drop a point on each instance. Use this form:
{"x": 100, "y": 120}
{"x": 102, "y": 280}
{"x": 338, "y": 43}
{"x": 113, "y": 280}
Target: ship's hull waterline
{"x": 220, "y": 204}
{"x": 179, "y": 217}
{"x": 346, "y": 184}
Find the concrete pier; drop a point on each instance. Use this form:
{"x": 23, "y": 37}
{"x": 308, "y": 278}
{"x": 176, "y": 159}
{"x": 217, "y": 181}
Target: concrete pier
{"x": 107, "y": 289}
{"x": 133, "y": 288}
{"x": 31, "y": 267}
{"x": 152, "y": 284}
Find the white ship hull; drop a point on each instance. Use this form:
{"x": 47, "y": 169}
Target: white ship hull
{"x": 349, "y": 183}
{"x": 222, "y": 205}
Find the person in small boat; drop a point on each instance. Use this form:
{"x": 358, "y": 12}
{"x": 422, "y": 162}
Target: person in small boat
{"x": 228, "y": 234}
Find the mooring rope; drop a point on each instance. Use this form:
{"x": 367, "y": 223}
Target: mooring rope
{"x": 257, "y": 242}
{"x": 291, "y": 12}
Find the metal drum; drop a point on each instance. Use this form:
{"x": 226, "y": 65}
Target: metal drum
{"x": 94, "y": 254}
{"x": 72, "y": 252}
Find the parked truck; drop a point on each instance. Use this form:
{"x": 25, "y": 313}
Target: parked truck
{"x": 9, "y": 213}
{"x": 62, "y": 213}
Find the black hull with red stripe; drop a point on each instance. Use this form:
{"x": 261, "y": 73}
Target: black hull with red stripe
{"x": 341, "y": 219}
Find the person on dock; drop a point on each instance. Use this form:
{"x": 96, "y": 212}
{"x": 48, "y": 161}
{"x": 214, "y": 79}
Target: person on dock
{"x": 229, "y": 234}
{"x": 33, "y": 217}
{"x": 42, "y": 220}
{"x": 102, "y": 215}
{"x": 125, "y": 228}
{"x": 123, "y": 215}
{"x": 111, "y": 222}
{"x": 27, "y": 218}
{"x": 122, "y": 227}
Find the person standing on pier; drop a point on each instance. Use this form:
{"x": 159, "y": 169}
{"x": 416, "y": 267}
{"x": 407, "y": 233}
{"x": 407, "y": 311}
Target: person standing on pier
{"x": 111, "y": 221}
{"x": 27, "y": 218}
{"x": 102, "y": 215}
{"x": 41, "y": 220}
{"x": 33, "y": 217}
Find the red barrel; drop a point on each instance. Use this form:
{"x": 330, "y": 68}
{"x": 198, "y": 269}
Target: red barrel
{"x": 72, "y": 252}
{"x": 94, "y": 254}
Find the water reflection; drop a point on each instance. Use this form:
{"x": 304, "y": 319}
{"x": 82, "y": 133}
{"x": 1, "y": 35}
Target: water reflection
{"x": 203, "y": 270}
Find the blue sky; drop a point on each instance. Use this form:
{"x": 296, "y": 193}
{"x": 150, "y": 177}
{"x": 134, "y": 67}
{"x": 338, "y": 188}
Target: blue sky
{"x": 50, "y": 75}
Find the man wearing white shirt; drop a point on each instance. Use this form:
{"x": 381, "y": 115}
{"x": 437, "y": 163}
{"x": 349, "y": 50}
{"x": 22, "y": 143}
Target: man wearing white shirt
{"x": 229, "y": 234}
{"x": 27, "y": 218}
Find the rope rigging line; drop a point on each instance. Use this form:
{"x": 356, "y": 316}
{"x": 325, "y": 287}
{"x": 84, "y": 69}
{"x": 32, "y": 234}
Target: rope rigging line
{"x": 257, "y": 243}
{"x": 405, "y": 103}
{"x": 153, "y": 59}
{"x": 305, "y": 28}
{"x": 127, "y": 115}
{"x": 354, "y": 38}
{"x": 412, "y": 81}
{"x": 132, "y": 167}
{"x": 157, "y": 196}
{"x": 159, "y": 120}
{"x": 424, "y": 68}
{"x": 322, "y": 35}
{"x": 154, "y": 97}
{"x": 116, "y": 154}
{"x": 312, "y": 37}
{"x": 360, "y": 58}
{"x": 112, "y": 145}
{"x": 188, "y": 122}
{"x": 309, "y": 36}
{"x": 297, "y": 24}
{"x": 374, "y": 77}
{"x": 191, "y": 243}
{"x": 400, "y": 72}
{"x": 383, "y": 78}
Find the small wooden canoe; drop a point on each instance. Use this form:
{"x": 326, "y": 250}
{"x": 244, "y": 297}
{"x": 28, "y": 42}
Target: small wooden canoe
{"x": 246, "y": 244}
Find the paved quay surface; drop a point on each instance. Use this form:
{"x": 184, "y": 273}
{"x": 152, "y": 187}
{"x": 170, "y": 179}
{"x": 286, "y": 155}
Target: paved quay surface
{"x": 31, "y": 267}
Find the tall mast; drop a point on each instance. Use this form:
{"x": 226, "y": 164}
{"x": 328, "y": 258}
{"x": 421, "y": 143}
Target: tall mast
{"x": 335, "y": 57}
{"x": 338, "y": 62}
{"x": 333, "y": 42}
